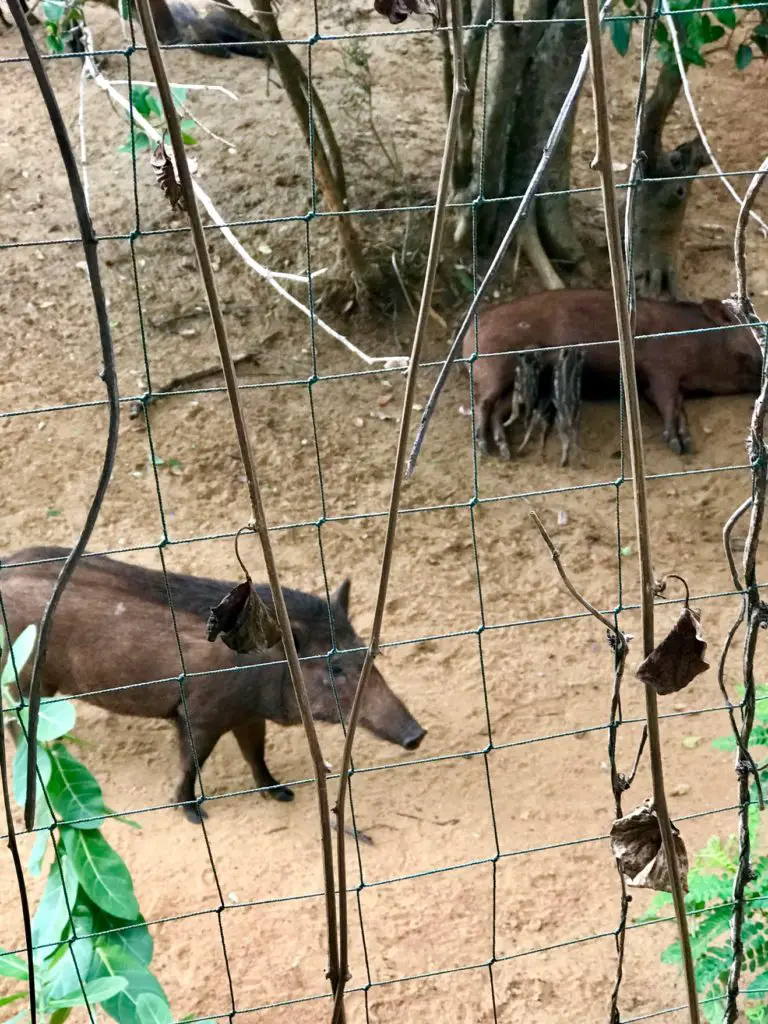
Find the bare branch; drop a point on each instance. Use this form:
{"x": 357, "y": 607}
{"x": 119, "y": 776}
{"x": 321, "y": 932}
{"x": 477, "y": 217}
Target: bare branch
{"x": 604, "y": 164}
{"x": 443, "y": 188}
{"x": 259, "y": 522}
{"x": 108, "y": 375}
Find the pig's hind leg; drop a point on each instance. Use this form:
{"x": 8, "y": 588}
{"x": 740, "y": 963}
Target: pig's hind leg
{"x": 665, "y": 396}
{"x": 250, "y": 738}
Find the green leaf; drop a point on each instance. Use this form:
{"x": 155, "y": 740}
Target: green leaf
{"x": 744, "y": 56}
{"x": 761, "y": 29}
{"x": 57, "y": 718}
{"x": 43, "y": 819}
{"x": 59, "y": 1016}
{"x": 101, "y": 872}
{"x": 465, "y": 280}
{"x": 724, "y": 13}
{"x": 52, "y": 914}
{"x": 153, "y": 1009}
{"x": 111, "y": 961}
{"x": 22, "y": 648}
{"x": 20, "y": 773}
{"x": 14, "y": 998}
{"x": 140, "y": 95}
{"x": 693, "y": 56}
{"x": 179, "y": 94}
{"x": 12, "y": 966}
{"x": 153, "y": 104}
{"x": 661, "y": 35}
{"x": 133, "y": 941}
{"x": 74, "y": 792}
{"x": 188, "y": 140}
{"x": 100, "y": 990}
{"x": 52, "y": 11}
{"x": 621, "y": 33}
{"x": 67, "y": 973}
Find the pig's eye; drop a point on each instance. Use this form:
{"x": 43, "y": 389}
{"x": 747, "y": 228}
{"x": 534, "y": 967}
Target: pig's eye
{"x": 337, "y": 672}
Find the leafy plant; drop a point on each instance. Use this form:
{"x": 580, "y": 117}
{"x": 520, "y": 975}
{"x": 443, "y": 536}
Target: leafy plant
{"x": 144, "y": 102}
{"x": 709, "y": 901}
{"x": 62, "y": 20}
{"x": 91, "y": 944}
{"x": 700, "y": 29}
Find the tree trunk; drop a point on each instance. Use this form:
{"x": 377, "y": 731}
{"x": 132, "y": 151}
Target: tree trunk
{"x": 660, "y": 205}
{"x": 549, "y": 73}
{"x": 297, "y": 89}
{"x": 554, "y": 66}
{"x": 462, "y": 170}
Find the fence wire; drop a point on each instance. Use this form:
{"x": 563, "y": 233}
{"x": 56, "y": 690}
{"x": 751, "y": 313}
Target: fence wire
{"x": 612, "y": 724}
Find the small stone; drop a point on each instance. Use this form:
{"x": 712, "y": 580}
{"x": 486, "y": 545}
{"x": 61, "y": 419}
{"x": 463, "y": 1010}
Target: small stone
{"x": 681, "y": 789}
{"x": 358, "y": 421}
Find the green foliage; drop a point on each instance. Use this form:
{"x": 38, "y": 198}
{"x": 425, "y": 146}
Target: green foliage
{"x": 91, "y": 944}
{"x": 145, "y": 103}
{"x": 709, "y": 901}
{"x": 698, "y": 29}
{"x": 62, "y": 18}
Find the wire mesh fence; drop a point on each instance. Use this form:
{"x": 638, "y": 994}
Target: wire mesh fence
{"x": 479, "y": 877}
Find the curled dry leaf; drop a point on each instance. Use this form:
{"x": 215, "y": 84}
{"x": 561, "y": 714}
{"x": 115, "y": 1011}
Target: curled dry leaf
{"x": 679, "y": 658}
{"x": 398, "y": 10}
{"x": 167, "y": 178}
{"x": 244, "y": 621}
{"x": 637, "y": 846}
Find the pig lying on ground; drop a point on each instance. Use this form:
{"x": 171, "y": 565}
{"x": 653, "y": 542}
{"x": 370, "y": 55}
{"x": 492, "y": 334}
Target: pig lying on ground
{"x": 114, "y": 628}
{"x": 707, "y": 360}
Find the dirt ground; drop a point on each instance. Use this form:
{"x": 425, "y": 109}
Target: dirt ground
{"x": 539, "y": 689}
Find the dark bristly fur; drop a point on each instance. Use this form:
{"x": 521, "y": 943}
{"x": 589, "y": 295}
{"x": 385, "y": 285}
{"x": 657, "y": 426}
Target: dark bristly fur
{"x": 114, "y": 635}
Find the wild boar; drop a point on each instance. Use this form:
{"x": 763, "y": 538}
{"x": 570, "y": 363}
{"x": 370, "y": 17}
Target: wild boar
{"x": 113, "y": 643}
{"x": 714, "y": 357}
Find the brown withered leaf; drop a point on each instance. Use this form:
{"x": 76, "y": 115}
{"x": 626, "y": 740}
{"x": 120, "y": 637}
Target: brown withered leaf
{"x": 398, "y": 10}
{"x": 637, "y": 846}
{"x": 243, "y": 621}
{"x": 167, "y": 179}
{"x": 679, "y": 658}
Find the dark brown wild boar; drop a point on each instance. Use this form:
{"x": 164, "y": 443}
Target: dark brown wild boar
{"x": 705, "y": 361}
{"x": 113, "y": 633}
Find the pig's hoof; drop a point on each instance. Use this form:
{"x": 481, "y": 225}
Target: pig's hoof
{"x": 282, "y": 793}
{"x": 688, "y": 446}
{"x": 194, "y": 813}
{"x": 674, "y": 444}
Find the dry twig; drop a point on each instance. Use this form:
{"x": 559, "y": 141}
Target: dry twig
{"x": 604, "y": 164}
{"x": 443, "y": 188}
{"x": 259, "y": 522}
{"x": 752, "y": 609}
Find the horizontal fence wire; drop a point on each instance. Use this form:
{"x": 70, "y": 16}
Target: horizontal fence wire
{"x": 308, "y": 49}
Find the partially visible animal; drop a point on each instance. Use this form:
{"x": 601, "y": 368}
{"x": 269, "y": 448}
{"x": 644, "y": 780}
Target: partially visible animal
{"x": 715, "y": 355}
{"x": 198, "y": 22}
{"x": 114, "y": 643}
{"x": 208, "y": 21}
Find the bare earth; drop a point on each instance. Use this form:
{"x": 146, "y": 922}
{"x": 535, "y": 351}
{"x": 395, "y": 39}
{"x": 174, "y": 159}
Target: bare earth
{"x": 543, "y": 800}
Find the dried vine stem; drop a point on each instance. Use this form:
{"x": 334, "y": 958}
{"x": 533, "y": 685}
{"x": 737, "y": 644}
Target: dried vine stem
{"x": 752, "y": 608}
{"x": 619, "y": 782}
{"x": 604, "y": 164}
{"x": 521, "y": 213}
{"x": 109, "y": 377}
{"x": 259, "y": 523}
{"x": 451, "y": 134}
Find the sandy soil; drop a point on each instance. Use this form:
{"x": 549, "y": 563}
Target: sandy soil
{"x": 538, "y": 689}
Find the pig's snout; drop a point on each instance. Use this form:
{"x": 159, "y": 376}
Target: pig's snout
{"x": 413, "y": 737}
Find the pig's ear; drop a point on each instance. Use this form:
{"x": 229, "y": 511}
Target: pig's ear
{"x": 340, "y": 596}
